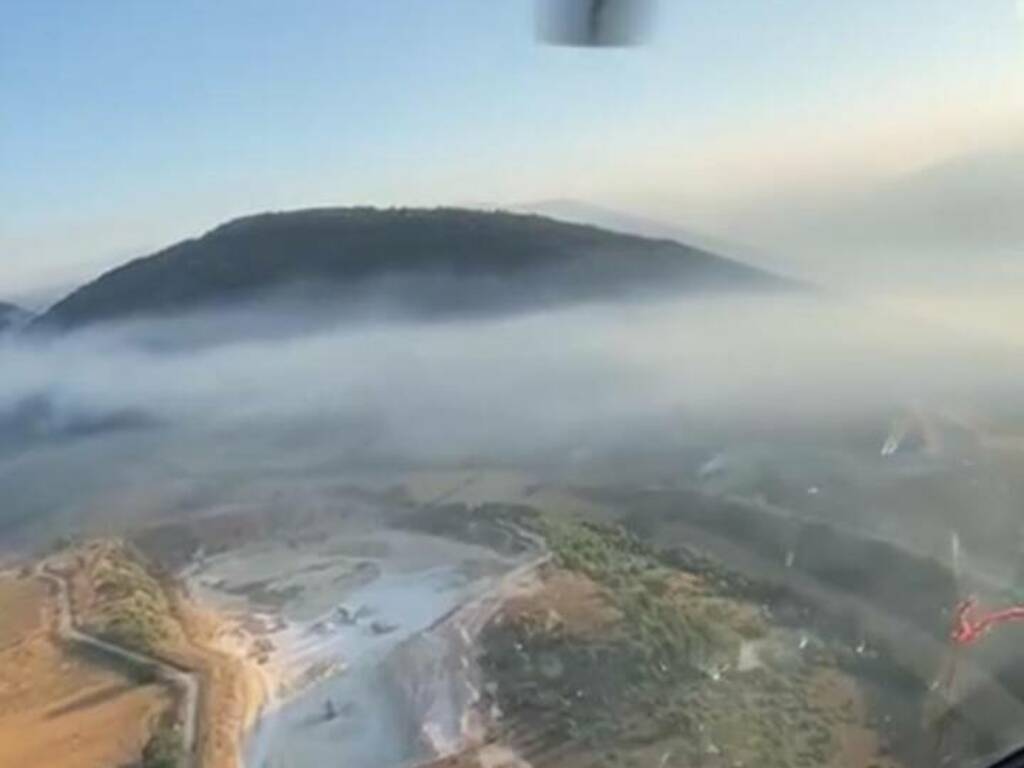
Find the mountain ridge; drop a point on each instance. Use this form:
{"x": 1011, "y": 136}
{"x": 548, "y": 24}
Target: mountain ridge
{"x": 421, "y": 262}
{"x": 11, "y": 316}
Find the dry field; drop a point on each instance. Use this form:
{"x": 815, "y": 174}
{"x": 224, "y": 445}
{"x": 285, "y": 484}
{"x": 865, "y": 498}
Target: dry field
{"x": 57, "y": 708}
{"x": 111, "y": 579}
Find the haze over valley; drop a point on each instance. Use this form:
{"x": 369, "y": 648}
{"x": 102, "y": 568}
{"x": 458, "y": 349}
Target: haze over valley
{"x": 286, "y": 370}
{"x": 557, "y": 384}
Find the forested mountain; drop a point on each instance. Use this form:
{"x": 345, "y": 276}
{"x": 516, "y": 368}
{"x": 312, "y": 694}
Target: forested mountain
{"x": 409, "y": 262}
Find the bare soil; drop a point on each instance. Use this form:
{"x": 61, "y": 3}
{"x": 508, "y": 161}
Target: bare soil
{"x": 58, "y": 708}
{"x": 231, "y": 690}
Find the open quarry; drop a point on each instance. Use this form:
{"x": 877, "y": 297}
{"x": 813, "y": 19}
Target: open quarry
{"x": 482, "y": 619}
{"x": 325, "y": 618}
{"x": 414, "y": 628}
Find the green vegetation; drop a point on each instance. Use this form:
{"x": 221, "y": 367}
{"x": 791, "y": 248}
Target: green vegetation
{"x": 164, "y": 749}
{"x": 665, "y": 631}
{"x": 659, "y": 680}
{"x": 131, "y": 607}
{"x": 764, "y": 718}
{"x": 622, "y": 685}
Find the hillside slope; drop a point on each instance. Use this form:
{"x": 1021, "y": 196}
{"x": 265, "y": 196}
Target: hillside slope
{"x": 10, "y": 315}
{"x": 409, "y": 262}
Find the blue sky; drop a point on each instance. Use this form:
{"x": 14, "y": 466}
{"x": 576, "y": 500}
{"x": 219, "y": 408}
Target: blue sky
{"x": 127, "y": 124}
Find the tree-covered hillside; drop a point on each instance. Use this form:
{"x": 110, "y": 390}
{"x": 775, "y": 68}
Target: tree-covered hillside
{"x": 412, "y": 262}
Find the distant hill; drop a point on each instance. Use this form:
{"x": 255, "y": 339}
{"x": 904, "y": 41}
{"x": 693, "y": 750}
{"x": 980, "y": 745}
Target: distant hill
{"x": 11, "y": 316}
{"x": 967, "y": 207}
{"x": 969, "y": 203}
{"x": 581, "y": 212}
{"x": 952, "y": 225}
{"x": 408, "y": 262}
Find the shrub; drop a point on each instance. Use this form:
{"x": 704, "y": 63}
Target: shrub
{"x": 164, "y": 749}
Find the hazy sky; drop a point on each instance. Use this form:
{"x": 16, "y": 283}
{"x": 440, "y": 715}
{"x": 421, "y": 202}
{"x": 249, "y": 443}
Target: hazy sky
{"x": 127, "y": 125}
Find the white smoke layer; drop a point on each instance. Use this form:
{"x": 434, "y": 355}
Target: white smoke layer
{"x": 119, "y": 414}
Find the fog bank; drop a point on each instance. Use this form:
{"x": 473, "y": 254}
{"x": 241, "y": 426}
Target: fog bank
{"x": 100, "y": 418}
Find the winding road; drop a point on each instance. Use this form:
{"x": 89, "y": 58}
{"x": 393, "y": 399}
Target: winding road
{"x": 183, "y": 679}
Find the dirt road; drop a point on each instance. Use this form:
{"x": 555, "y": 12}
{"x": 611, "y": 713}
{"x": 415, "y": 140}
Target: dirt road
{"x": 185, "y": 680}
